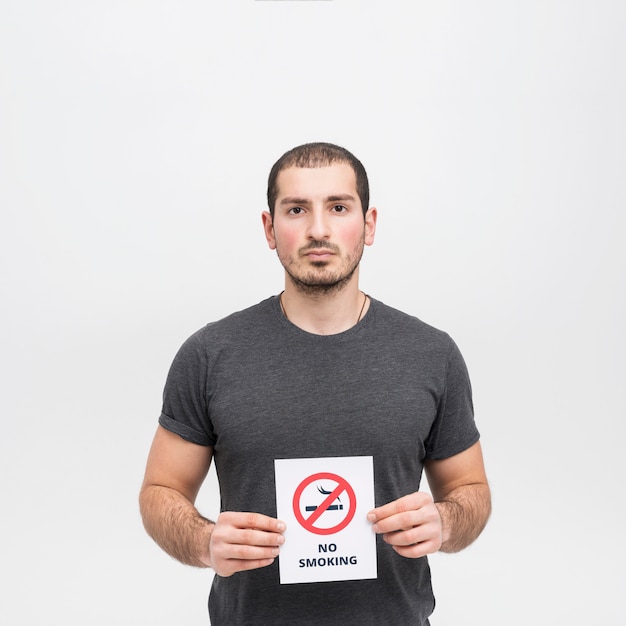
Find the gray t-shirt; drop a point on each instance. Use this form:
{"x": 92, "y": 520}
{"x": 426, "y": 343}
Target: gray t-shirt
{"x": 258, "y": 388}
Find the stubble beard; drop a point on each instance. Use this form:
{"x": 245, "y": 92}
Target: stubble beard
{"x": 316, "y": 282}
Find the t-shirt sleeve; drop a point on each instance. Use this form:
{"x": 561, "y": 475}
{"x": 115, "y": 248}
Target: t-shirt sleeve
{"x": 454, "y": 429}
{"x": 185, "y": 402}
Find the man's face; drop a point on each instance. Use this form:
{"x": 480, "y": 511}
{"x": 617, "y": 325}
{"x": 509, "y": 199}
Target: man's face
{"x": 318, "y": 228}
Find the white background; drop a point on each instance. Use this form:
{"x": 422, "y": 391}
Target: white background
{"x": 135, "y": 142}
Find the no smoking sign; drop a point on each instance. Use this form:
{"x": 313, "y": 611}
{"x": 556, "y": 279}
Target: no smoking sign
{"x": 324, "y": 502}
{"x": 330, "y": 515}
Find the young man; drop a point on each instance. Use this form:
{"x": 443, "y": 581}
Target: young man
{"x": 322, "y": 370}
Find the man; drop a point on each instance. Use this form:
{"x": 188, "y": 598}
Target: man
{"x": 322, "y": 370}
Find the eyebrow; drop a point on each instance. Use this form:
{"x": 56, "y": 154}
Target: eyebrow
{"x": 336, "y": 198}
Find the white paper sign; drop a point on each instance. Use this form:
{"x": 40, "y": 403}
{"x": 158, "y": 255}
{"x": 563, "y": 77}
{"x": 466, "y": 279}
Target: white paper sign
{"x": 324, "y": 502}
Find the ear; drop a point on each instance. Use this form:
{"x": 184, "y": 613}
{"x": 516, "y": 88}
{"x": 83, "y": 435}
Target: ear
{"x": 268, "y": 228}
{"x": 370, "y": 225}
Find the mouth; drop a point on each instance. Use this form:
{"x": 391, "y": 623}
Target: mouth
{"x": 319, "y": 255}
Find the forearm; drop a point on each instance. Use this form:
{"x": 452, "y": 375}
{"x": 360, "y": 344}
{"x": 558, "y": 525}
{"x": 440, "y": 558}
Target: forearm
{"x": 464, "y": 513}
{"x": 176, "y": 526}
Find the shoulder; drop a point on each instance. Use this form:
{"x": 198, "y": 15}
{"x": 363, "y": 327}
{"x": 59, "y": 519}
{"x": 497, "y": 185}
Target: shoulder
{"x": 239, "y": 328}
{"x": 400, "y": 326}
{"x": 245, "y": 321}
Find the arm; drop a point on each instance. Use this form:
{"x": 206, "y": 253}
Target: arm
{"x": 462, "y": 496}
{"x": 175, "y": 472}
{"x": 418, "y": 524}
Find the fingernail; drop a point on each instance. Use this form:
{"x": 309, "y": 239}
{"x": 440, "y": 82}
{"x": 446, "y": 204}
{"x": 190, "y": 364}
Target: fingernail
{"x": 281, "y": 539}
{"x": 371, "y": 517}
{"x": 280, "y": 526}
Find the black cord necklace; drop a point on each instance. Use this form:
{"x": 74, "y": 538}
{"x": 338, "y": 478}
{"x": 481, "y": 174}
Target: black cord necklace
{"x": 282, "y": 306}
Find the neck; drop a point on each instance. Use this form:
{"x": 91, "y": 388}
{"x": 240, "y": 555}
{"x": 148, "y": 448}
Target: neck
{"x": 324, "y": 313}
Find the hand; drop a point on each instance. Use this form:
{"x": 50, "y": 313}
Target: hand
{"x": 411, "y": 525}
{"x": 244, "y": 541}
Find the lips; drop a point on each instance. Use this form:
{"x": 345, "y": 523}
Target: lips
{"x": 319, "y": 253}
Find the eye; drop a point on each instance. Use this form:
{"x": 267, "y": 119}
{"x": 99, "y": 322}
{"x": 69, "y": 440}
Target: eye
{"x": 339, "y": 208}
{"x": 296, "y": 210}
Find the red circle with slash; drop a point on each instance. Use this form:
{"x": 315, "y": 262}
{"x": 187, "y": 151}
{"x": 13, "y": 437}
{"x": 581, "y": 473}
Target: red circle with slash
{"x": 308, "y": 522}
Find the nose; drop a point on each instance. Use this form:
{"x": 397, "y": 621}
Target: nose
{"x": 318, "y": 225}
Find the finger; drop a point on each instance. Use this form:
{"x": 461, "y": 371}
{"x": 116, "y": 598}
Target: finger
{"x": 398, "y": 522}
{"x": 254, "y": 537}
{"x": 245, "y": 544}
{"x": 412, "y": 536}
{"x": 417, "y": 550}
{"x": 248, "y": 552}
{"x": 253, "y": 520}
{"x": 426, "y": 514}
{"x": 409, "y": 502}
{"x": 248, "y": 565}
{"x": 231, "y": 566}
{"x": 228, "y": 557}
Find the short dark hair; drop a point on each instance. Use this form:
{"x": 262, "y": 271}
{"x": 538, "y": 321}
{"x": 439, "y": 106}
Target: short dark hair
{"x": 318, "y": 154}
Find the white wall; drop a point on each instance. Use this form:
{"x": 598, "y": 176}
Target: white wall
{"x": 135, "y": 141}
